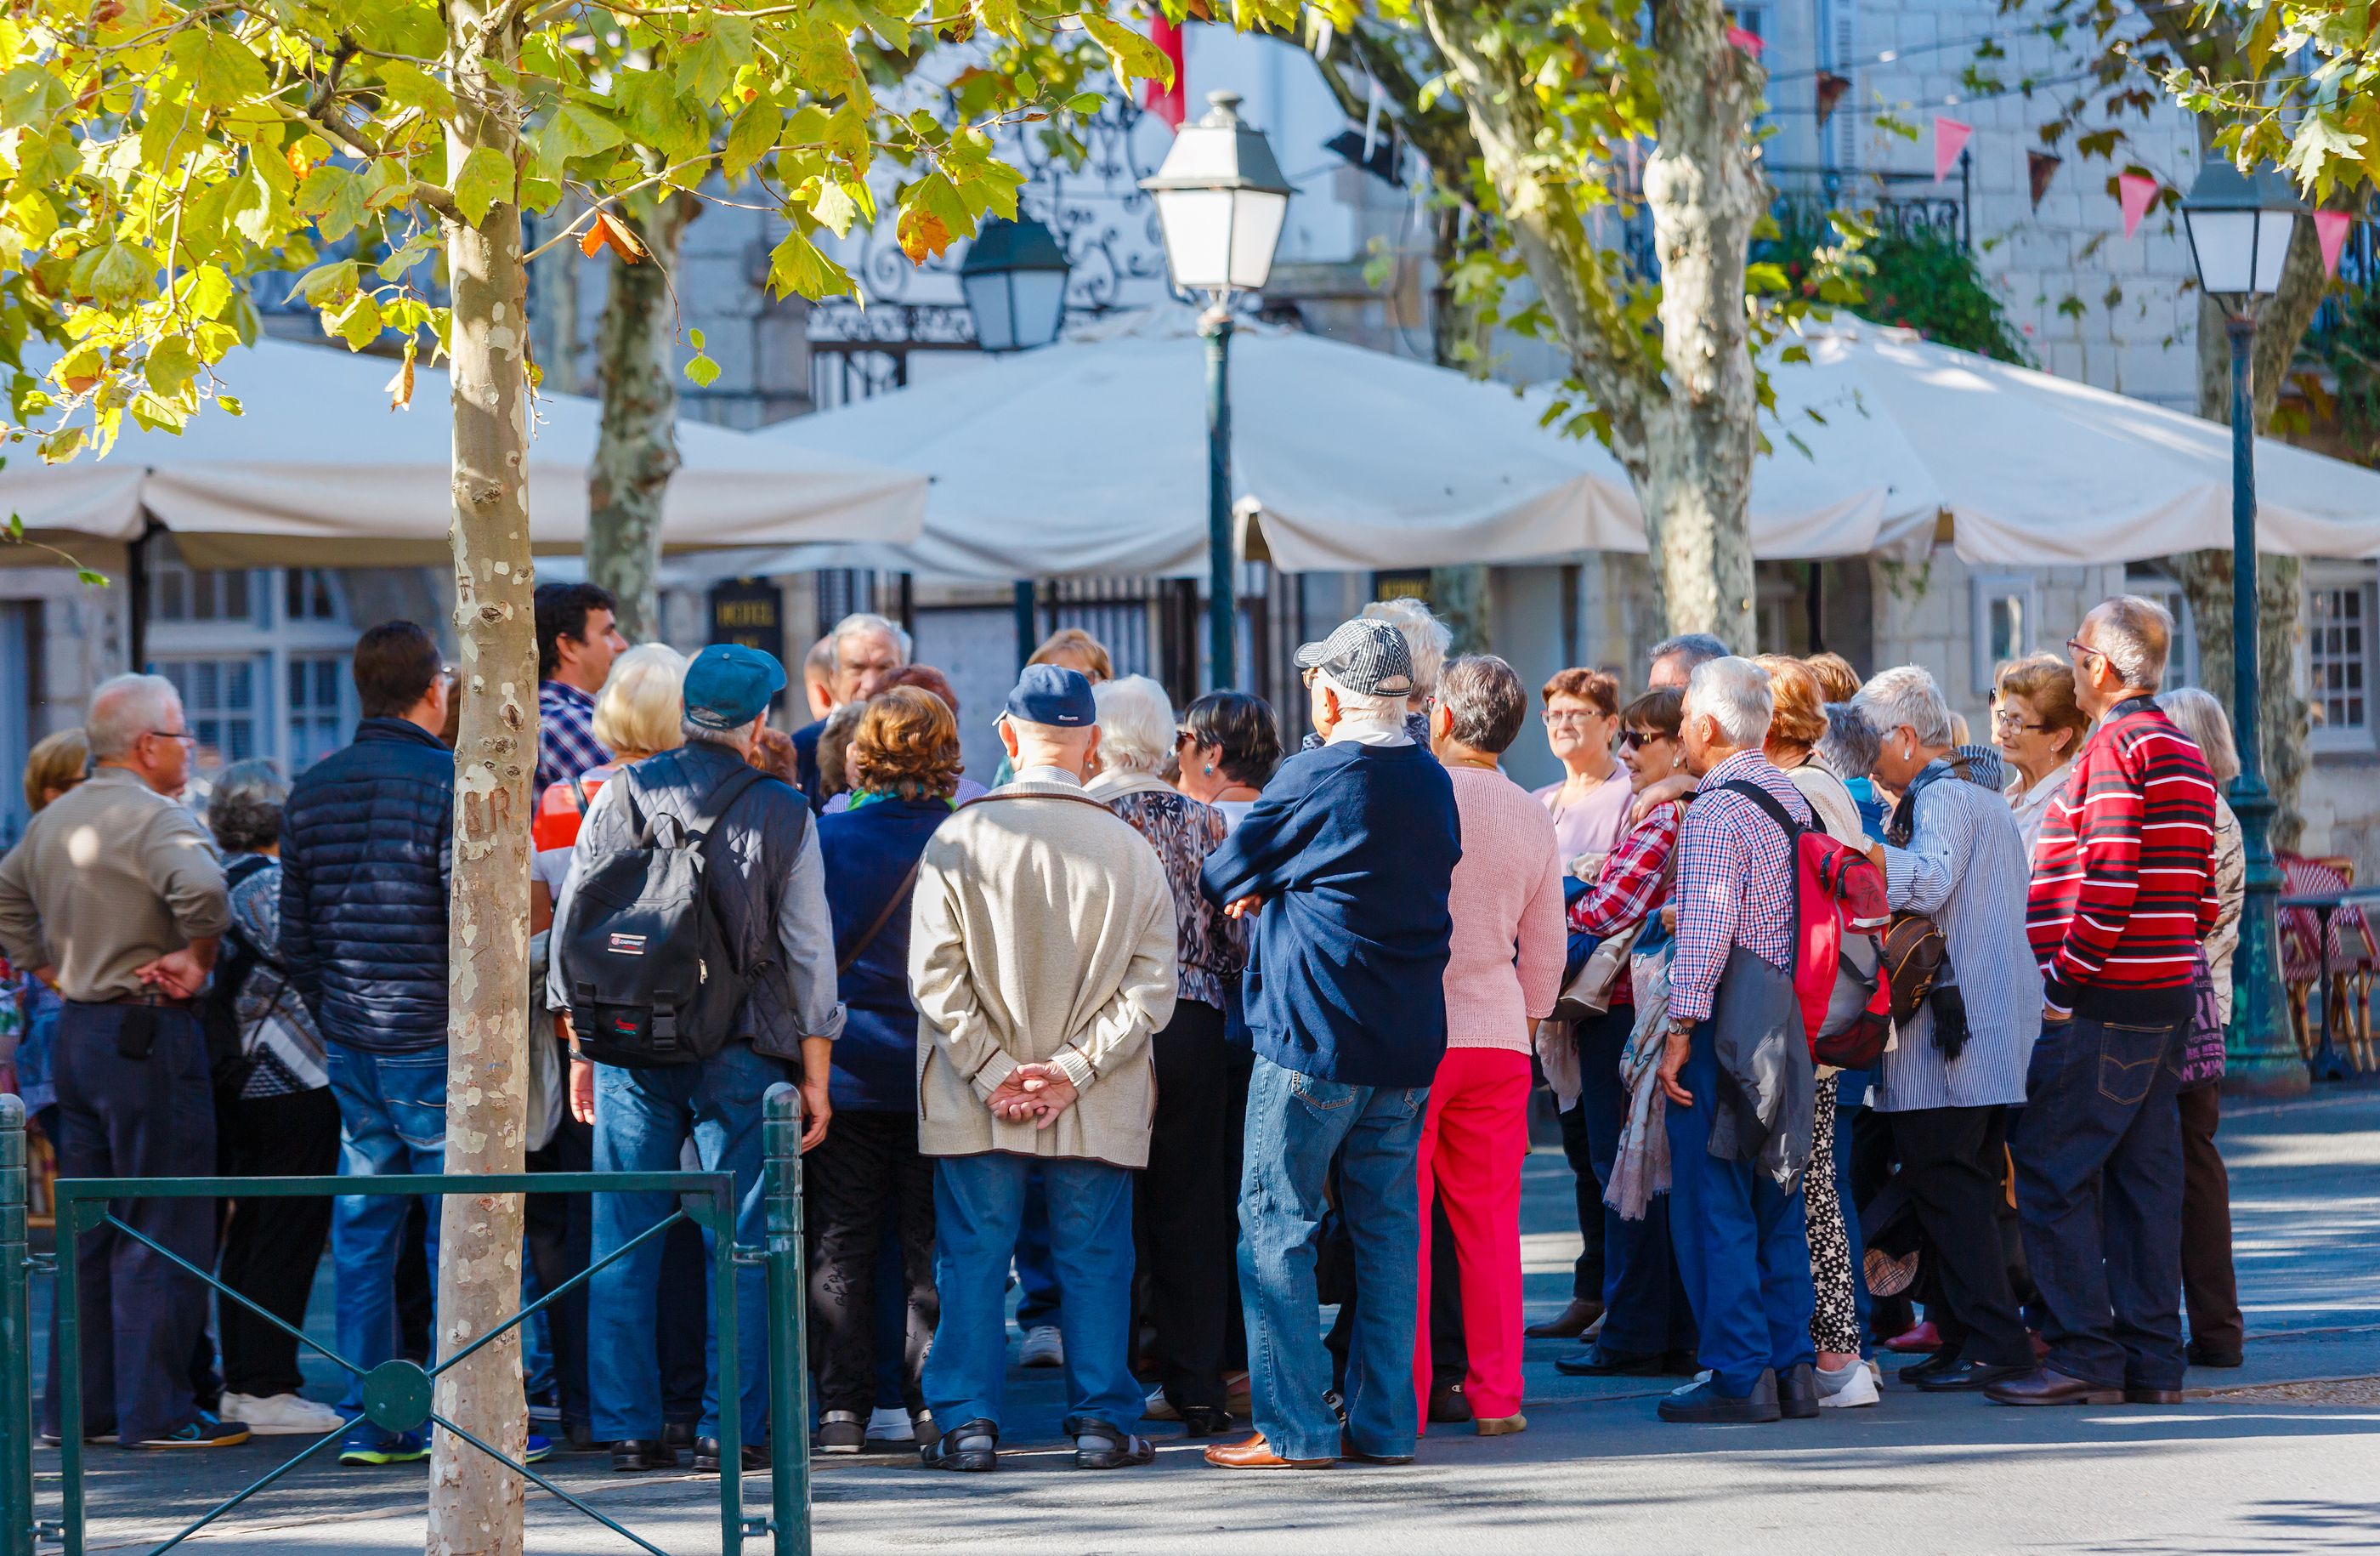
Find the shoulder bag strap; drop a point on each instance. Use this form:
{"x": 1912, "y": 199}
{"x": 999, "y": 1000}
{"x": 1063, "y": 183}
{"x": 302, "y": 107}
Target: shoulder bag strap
{"x": 868, "y": 936}
{"x": 1098, "y": 805}
{"x": 1769, "y": 802}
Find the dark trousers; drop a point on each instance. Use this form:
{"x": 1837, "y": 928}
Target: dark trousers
{"x": 1645, "y": 1306}
{"x": 1187, "y": 1218}
{"x": 142, "y": 1318}
{"x": 271, "y": 1247}
{"x": 2098, "y": 1187}
{"x": 1944, "y": 1156}
{"x": 2209, "y": 1288}
{"x": 1874, "y": 1156}
{"x": 559, "y": 1229}
{"x": 684, "y": 1343}
{"x": 862, "y": 1178}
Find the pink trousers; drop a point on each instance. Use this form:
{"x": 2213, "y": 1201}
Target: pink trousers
{"x": 1472, "y": 1139}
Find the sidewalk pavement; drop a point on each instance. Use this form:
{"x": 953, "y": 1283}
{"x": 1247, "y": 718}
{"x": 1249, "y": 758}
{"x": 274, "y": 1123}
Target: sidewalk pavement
{"x": 1596, "y": 1471}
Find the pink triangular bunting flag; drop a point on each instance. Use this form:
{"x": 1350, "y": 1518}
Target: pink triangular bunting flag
{"x": 1950, "y": 139}
{"x": 2137, "y": 192}
{"x": 1748, "y": 41}
{"x": 2332, "y": 227}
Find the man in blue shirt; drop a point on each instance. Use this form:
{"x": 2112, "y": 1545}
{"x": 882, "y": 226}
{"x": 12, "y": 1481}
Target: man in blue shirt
{"x": 1345, "y": 863}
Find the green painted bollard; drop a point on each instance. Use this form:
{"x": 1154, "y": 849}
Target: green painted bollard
{"x": 16, "y": 1340}
{"x": 789, "y": 1349}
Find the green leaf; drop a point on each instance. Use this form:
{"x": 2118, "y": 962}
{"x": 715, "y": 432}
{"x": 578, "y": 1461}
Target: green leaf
{"x": 485, "y": 182}
{"x": 573, "y": 131}
{"x": 229, "y": 405}
{"x": 695, "y": 339}
{"x": 1087, "y": 102}
{"x": 749, "y": 139}
{"x": 1130, "y": 52}
{"x": 251, "y": 206}
{"x": 206, "y": 291}
{"x": 326, "y": 284}
{"x": 798, "y": 265}
{"x": 707, "y": 61}
{"x": 89, "y": 579}
{"x": 31, "y": 94}
{"x": 221, "y": 69}
{"x": 358, "y": 323}
{"x": 833, "y": 207}
{"x": 172, "y": 364}
{"x": 333, "y": 196}
{"x": 702, "y": 370}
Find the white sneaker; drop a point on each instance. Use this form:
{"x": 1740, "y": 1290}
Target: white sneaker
{"x": 281, "y": 1415}
{"x": 1847, "y": 1390}
{"x": 1159, "y": 1407}
{"x": 890, "y": 1423}
{"x": 1044, "y": 1347}
{"x": 1699, "y": 1379}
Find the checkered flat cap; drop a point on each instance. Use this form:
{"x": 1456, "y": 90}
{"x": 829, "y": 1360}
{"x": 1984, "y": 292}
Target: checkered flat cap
{"x": 1366, "y": 656}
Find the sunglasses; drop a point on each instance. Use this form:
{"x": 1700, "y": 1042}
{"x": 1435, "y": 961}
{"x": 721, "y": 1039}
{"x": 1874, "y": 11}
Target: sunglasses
{"x": 1636, "y": 739}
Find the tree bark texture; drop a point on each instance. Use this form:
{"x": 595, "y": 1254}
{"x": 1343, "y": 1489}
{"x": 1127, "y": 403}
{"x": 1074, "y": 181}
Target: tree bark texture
{"x": 1682, "y": 406}
{"x": 635, "y": 452}
{"x": 475, "y": 1502}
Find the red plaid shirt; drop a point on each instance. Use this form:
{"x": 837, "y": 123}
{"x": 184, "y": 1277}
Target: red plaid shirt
{"x": 1630, "y": 886}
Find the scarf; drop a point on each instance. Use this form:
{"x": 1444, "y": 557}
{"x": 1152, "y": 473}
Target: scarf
{"x": 1640, "y": 1169}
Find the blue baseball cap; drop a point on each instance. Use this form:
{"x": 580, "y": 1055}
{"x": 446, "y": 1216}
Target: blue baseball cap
{"x": 728, "y": 686}
{"x": 1052, "y": 694}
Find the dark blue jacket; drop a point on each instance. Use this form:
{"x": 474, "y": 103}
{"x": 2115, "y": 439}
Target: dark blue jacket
{"x": 366, "y": 856}
{"x": 869, "y": 851}
{"x": 807, "y": 776}
{"x": 1352, "y": 848}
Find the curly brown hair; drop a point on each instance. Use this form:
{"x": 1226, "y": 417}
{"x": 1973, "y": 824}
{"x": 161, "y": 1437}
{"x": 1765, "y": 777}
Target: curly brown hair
{"x": 907, "y": 744}
{"x": 1597, "y": 686}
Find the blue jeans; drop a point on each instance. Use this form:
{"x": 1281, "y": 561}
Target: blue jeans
{"x": 2098, "y": 1193}
{"x": 1295, "y": 1123}
{"x": 392, "y": 1119}
{"x": 642, "y": 1119}
{"x": 1645, "y": 1306}
{"x": 1036, "y": 1273}
{"x": 978, "y": 1210}
{"x": 1743, "y": 1244}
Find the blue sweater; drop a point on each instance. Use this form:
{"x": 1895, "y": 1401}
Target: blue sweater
{"x": 867, "y": 851}
{"x": 1352, "y": 848}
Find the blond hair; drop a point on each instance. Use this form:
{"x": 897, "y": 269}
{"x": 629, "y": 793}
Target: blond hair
{"x": 642, "y": 708}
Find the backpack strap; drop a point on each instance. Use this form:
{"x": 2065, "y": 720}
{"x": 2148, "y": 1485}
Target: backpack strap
{"x": 1769, "y": 802}
{"x": 868, "y": 936}
{"x": 644, "y": 821}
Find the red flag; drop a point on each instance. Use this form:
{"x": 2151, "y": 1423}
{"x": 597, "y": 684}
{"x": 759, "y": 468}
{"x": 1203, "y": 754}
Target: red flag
{"x": 1748, "y": 41}
{"x": 1169, "y": 104}
{"x": 1831, "y": 88}
{"x": 2041, "y": 167}
{"x": 2331, "y": 227}
{"x": 2137, "y": 192}
{"x": 1950, "y": 139}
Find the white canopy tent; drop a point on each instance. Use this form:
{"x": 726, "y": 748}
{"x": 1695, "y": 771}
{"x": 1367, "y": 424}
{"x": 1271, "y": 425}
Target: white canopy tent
{"x": 318, "y": 471}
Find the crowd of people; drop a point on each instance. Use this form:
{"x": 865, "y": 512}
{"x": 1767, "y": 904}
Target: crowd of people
{"x": 1182, "y": 1037}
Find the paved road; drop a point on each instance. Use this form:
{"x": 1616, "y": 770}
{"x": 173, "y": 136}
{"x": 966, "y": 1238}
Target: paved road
{"x": 1597, "y": 1471}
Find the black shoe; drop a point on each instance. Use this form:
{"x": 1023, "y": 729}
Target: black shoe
{"x": 2136, "y": 1395}
{"x": 1205, "y": 1420}
{"x": 1915, "y": 1373}
{"x": 973, "y": 1447}
{"x": 1597, "y": 1362}
{"x": 1797, "y": 1392}
{"x": 578, "y": 1437}
{"x": 2044, "y": 1385}
{"x": 677, "y": 1434}
{"x": 637, "y": 1454}
{"x": 1570, "y": 1323}
{"x": 2206, "y": 1356}
{"x": 753, "y": 1457}
{"x": 1448, "y": 1407}
{"x": 1099, "y": 1445}
{"x": 1706, "y": 1402}
{"x": 1967, "y": 1377}
{"x": 840, "y": 1432}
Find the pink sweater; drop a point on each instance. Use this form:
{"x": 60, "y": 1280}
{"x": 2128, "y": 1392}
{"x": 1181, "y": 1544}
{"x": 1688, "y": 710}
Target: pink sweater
{"x": 1506, "y": 964}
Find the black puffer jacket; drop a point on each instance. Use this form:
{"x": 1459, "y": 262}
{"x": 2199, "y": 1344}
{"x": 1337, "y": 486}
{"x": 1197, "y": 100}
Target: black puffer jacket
{"x": 366, "y": 855}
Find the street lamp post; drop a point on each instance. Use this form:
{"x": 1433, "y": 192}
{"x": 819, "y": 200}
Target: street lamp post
{"x": 1221, "y": 200}
{"x": 2239, "y": 229}
{"x": 1014, "y": 279}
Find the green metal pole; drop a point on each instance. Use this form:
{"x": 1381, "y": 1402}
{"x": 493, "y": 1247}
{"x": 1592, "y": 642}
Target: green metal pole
{"x": 16, "y": 1340}
{"x": 722, "y": 1217}
{"x": 789, "y": 1349}
{"x": 1222, "y": 606}
{"x": 2260, "y": 1052}
{"x": 1029, "y": 625}
{"x": 65, "y": 1322}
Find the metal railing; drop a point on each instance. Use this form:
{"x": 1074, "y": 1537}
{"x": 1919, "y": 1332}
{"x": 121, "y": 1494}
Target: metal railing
{"x": 398, "y": 1395}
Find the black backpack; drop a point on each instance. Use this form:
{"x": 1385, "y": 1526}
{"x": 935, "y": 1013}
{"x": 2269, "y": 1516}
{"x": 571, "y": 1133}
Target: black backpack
{"x": 653, "y": 982}
{"x": 228, "y": 1062}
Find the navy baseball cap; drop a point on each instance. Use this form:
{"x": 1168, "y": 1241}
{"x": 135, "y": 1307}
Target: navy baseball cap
{"x": 728, "y": 686}
{"x": 1052, "y": 694}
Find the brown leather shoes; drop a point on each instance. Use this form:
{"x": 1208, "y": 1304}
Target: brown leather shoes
{"x": 1568, "y": 1324}
{"x": 1257, "y": 1454}
{"x": 2151, "y": 1396}
{"x": 2047, "y": 1386}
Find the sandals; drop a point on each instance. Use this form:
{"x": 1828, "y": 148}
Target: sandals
{"x": 1099, "y": 1445}
{"x": 972, "y": 1448}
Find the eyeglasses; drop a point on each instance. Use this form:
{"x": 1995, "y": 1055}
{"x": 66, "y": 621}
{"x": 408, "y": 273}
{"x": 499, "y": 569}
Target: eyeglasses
{"x": 2082, "y": 648}
{"x": 1574, "y": 715}
{"x": 2005, "y": 718}
{"x": 182, "y": 735}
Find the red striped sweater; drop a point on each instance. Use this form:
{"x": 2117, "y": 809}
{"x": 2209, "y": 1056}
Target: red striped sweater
{"x": 2123, "y": 873}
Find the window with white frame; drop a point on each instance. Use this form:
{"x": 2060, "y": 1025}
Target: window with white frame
{"x": 219, "y": 698}
{"x": 2338, "y": 658}
{"x": 261, "y": 656}
{"x": 319, "y": 714}
{"x": 2005, "y": 613}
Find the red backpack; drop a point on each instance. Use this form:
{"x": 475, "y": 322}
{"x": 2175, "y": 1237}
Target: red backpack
{"x": 1839, "y": 915}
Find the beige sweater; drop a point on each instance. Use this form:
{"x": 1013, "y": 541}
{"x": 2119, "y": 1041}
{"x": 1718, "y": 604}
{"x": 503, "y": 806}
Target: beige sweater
{"x": 1041, "y": 930}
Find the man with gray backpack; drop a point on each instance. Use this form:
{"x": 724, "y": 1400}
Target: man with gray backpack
{"x": 694, "y": 955}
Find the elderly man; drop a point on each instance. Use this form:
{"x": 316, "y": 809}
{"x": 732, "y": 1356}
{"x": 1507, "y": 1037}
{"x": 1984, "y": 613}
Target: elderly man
{"x": 1736, "y": 1070}
{"x": 702, "y": 1080}
{"x": 2123, "y": 890}
{"x": 1953, "y": 852}
{"x": 864, "y": 651}
{"x": 1042, "y": 957}
{"x": 1673, "y": 660}
{"x": 1347, "y": 860}
{"x": 114, "y": 896}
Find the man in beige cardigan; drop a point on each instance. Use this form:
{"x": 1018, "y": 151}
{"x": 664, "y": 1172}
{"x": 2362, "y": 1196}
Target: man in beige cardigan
{"x": 1041, "y": 956}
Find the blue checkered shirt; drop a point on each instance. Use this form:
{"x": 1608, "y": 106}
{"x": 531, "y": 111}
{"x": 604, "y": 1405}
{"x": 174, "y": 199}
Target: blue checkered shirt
{"x": 567, "y": 747}
{"x": 1735, "y": 880}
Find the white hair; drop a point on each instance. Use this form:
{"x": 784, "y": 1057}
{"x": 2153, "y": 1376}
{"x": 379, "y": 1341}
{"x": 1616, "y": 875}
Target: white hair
{"x": 703, "y": 735}
{"x": 1733, "y": 693}
{"x": 2203, "y": 719}
{"x": 1427, "y": 640}
{"x": 860, "y": 622}
{"x": 123, "y": 709}
{"x": 1365, "y": 707}
{"x": 2135, "y": 635}
{"x": 1135, "y": 725}
{"x": 1906, "y": 694}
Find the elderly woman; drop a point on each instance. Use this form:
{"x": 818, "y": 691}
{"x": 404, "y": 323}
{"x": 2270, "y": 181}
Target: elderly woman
{"x": 904, "y": 765}
{"x": 1228, "y": 744}
{"x": 56, "y": 763}
{"x": 1187, "y": 1216}
{"x": 639, "y": 714}
{"x": 1427, "y": 642}
{"x": 278, "y": 1120}
{"x": 1503, "y": 972}
{"x": 1590, "y": 805}
{"x": 1952, "y": 851}
{"x": 925, "y": 677}
{"x": 2209, "y": 1287}
{"x": 2038, "y": 728}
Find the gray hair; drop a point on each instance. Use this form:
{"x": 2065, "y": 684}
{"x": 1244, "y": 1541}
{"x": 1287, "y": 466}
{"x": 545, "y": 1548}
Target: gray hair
{"x": 1906, "y": 694}
{"x": 1851, "y": 744}
{"x": 2203, "y": 719}
{"x": 858, "y": 622}
{"x": 703, "y": 735}
{"x": 2135, "y": 635}
{"x": 123, "y": 709}
{"x": 1489, "y": 704}
{"x": 244, "y": 810}
{"x": 1699, "y": 648}
{"x": 1135, "y": 725}
{"x": 1427, "y": 639}
{"x": 1363, "y": 706}
{"x": 1735, "y": 693}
